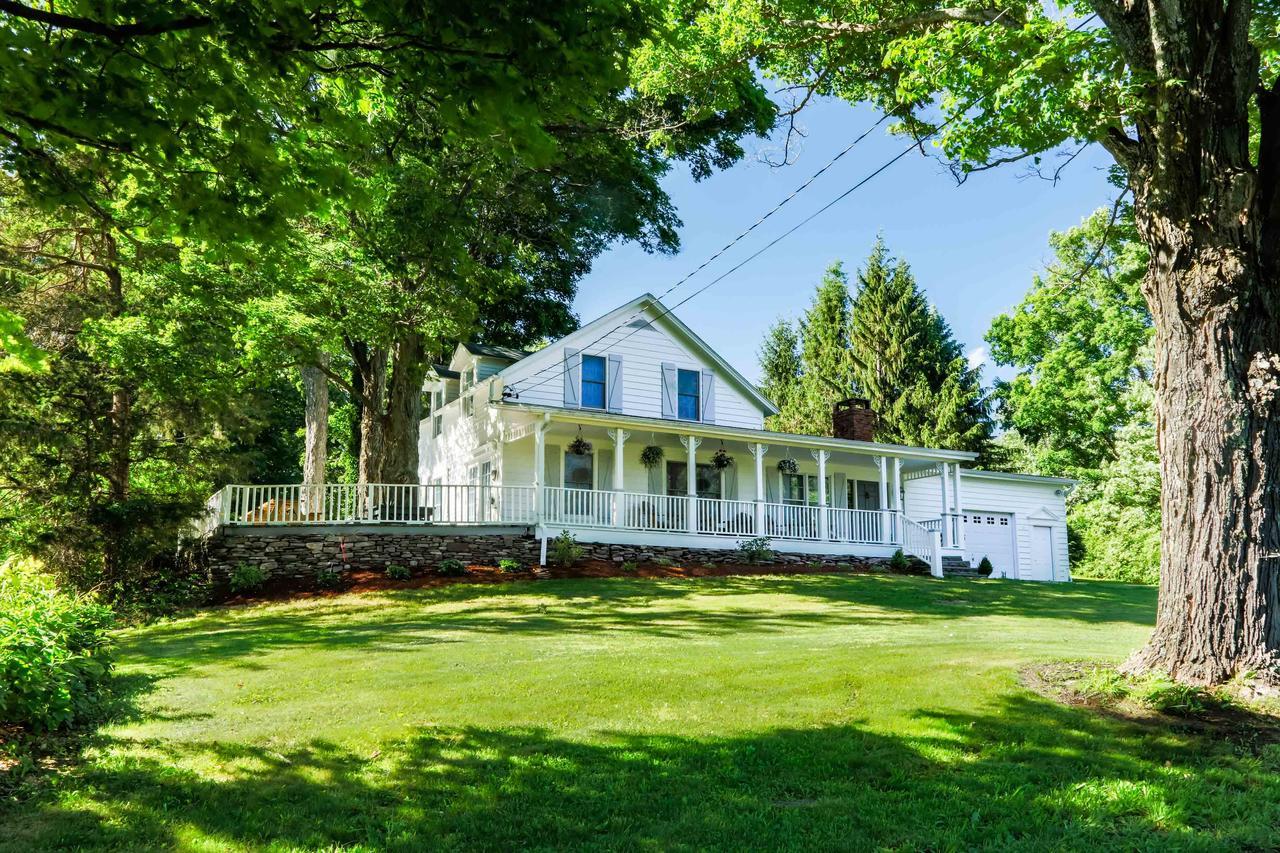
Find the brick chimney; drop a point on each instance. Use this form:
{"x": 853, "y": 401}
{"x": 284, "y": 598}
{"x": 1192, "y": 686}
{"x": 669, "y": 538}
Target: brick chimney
{"x": 854, "y": 418}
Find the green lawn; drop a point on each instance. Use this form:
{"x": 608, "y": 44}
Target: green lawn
{"x": 770, "y": 712}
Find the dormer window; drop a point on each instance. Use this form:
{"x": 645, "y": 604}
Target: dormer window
{"x": 594, "y": 392}
{"x": 689, "y": 395}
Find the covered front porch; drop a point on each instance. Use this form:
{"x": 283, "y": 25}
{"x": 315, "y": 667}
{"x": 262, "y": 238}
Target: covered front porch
{"x": 628, "y": 480}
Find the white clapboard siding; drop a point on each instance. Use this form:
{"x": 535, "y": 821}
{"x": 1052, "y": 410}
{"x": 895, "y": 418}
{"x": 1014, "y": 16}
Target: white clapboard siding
{"x": 1030, "y": 502}
{"x": 643, "y": 350}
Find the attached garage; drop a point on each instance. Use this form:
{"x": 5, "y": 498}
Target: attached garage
{"x": 991, "y": 535}
{"x": 1017, "y": 521}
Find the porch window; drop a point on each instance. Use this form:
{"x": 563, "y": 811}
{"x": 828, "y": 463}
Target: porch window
{"x": 593, "y": 382}
{"x": 689, "y": 393}
{"x": 802, "y": 489}
{"x": 706, "y": 480}
{"x": 579, "y": 471}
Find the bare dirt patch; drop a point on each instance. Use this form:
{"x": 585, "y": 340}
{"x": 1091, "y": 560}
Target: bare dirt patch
{"x": 1102, "y": 689}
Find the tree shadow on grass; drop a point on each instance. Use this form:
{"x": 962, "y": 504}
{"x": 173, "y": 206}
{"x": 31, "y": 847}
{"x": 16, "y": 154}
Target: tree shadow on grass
{"x": 653, "y": 608}
{"x": 1025, "y": 774}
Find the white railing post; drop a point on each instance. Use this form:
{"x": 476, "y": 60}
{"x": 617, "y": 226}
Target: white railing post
{"x": 224, "y": 510}
{"x": 935, "y": 555}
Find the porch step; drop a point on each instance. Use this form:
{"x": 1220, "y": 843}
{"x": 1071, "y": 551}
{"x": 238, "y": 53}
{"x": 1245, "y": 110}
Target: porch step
{"x": 958, "y": 567}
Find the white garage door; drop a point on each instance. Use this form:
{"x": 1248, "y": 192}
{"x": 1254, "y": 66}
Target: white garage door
{"x": 990, "y": 535}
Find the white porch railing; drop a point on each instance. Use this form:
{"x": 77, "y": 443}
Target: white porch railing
{"x": 555, "y": 507}
{"x": 377, "y": 503}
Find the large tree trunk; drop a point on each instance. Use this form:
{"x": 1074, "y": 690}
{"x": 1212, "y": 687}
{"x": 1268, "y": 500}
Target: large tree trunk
{"x": 1210, "y": 220}
{"x": 404, "y": 410}
{"x": 315, "y": 388}
{"x": 1217, "y": 379}
{"x": 371, "y": 361}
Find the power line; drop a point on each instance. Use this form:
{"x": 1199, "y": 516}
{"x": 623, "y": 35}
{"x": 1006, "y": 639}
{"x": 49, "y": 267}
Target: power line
{"x": 841, "y": 197}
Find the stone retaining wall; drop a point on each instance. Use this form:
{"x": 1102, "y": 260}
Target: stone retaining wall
{"x": 295, "y": 556}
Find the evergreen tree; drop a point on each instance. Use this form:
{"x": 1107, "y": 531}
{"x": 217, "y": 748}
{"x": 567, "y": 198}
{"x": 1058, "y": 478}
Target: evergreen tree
{"x": 826, "y": 371}
{"x": 905, "y": 360}
{"x": 780, "y": 368}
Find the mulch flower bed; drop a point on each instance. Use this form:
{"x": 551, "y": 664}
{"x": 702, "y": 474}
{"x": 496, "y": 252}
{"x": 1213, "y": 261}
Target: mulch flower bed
{"x": 368, "y": 580}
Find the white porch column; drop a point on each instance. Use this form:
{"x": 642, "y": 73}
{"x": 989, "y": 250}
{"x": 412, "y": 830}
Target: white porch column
{"x": 539, "y": 466}
{"x": 691, "y": 480}
{"x": 959, "y": 507}
{"x": 946, "y": 504}
{"x": 897, "y": 500}
{"x": 758, "y": 451}
{"x": 882, "y": 465}
{"x": 824, "y": 514}
{"x": 619, "y": 437}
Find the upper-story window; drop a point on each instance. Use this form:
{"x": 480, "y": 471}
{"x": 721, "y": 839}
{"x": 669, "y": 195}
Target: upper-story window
{"x": 594, "y": 393}
{"x": 689, "y": 394}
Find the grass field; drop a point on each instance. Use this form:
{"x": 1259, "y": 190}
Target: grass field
{"x": 853, "y": 712}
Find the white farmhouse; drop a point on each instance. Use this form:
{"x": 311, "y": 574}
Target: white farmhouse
{"x": 633, "y": 431}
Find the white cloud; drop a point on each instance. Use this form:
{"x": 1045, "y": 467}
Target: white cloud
{"x": 977, "y": 357}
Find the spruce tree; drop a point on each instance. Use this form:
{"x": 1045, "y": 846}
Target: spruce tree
{"x": 780, "y": 369}
{"x": 905, "y": 360}
{"x": 826, "y": 370}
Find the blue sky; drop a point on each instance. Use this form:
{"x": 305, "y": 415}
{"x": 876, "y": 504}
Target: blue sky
{"x": 973, "y": 247}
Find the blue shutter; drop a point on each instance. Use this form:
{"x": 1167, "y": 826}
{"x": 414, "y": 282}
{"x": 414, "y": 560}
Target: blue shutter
{"x": 707, "y": 396}
{"x": 669, "y": 379}
{"x": 572, "y": 378}
{"x": 615, "y": 383}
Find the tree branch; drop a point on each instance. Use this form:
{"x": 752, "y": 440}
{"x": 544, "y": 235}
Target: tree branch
{"x": 115, "y": 32}
{"x": 925, "y": 19}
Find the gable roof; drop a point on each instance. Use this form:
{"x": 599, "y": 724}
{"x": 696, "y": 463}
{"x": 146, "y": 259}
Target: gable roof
{"x": 621, "y": 317}
{"x": 494, "y": 351}
{"x": 443, "y": 372}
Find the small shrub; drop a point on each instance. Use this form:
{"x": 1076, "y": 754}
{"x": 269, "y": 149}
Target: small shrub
{"x": 565, "y": 550}
{"x": 398, "y": 573}
{"x": 247, "y": 578}
{"x": 898, "y": 563}
{"x": 451, "y": 568}
{"x": 55, "y": 652}
{"x": 708, "y": 565}
{"x": 757, "y": 550}
{"x": 665, "y": 562}
{"x": 985, "y": 568}
{"x": 327, "y": 578}
{"x": 509, "y": 565}
{"x": 630, "y": 566}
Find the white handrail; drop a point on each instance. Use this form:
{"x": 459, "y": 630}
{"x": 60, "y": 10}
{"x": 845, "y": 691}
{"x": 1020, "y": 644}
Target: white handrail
{"x": 919, "y": 541}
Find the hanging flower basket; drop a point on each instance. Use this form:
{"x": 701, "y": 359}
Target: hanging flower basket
{"x": 651, "y": 456}
{"x": 721, "y": 459}
{"x": 788, "y": 466}
{"x": 579, "y": 446}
